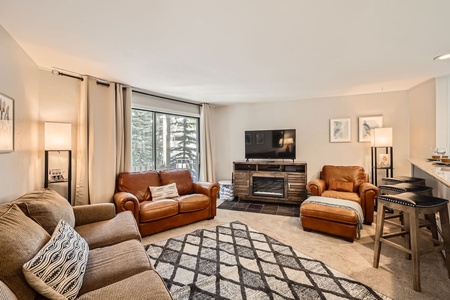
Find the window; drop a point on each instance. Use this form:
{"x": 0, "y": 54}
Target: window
{"x": 164, "y": 141}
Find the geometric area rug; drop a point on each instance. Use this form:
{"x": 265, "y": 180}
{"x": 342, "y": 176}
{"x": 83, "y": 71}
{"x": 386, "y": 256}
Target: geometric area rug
{"x": 235, "y": 261}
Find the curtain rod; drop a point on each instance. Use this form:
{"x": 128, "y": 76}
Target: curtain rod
{"x": 57, "y": 72}
{"x": 167, "y": 98}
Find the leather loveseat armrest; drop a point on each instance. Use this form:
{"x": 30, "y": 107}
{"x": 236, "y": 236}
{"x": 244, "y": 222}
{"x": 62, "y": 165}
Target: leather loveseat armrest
{"x": 368, "y": 192}
{"x": 209, "y": 189}
{"x": 86, "y": 214}
{"x": 127, "y": 201}
{"x": 316, "y": 187}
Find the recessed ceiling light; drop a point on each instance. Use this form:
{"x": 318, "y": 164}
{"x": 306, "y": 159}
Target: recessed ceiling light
{"x": 442, "y": 57}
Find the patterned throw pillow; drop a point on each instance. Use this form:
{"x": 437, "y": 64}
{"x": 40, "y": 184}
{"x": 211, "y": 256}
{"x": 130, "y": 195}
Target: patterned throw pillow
{"x": 164, "y": 191}
{"x": 340, "y": 185}
{"x": 57, "y": 270}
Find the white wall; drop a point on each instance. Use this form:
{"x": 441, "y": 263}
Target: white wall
{"x": 422, "y": 114}
{"x": 311, "y": 120}
{"x": 59, "y": 98}
{"x": 21, "y": 170}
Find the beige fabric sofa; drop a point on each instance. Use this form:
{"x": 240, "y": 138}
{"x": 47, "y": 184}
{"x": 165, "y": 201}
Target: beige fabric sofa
{"x": 117, "y": 267}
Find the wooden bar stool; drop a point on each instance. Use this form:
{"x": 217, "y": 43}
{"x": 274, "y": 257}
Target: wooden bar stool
{"x": 412, "y": 205}
{"x": 403, "y": 179}
{"x": 393, "y": 189}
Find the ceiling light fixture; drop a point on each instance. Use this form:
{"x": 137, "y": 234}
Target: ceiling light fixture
{"x": 442, "y": 57}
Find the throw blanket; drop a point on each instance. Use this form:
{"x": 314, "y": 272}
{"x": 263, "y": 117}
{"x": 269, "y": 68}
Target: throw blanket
{"x": 347, "y": 204}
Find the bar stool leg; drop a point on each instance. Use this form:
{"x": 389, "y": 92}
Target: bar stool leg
{"x": 378, "y": 234}
{"x": 443, "y": 214}
{"x": 414, "y": 227}
{"x": 407, "y": 228}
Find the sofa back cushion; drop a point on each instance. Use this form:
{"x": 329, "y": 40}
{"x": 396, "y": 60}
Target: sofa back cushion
{"x": 137, "y": 183}
{"x": 46, "y": 207}
{"x": 182, "y": 177}
{"x": 20, "y": 239}
{"x": 355, "y": 174}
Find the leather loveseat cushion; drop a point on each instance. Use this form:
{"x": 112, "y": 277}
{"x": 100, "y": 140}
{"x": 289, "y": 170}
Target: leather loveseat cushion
{"x": 353, "y": 174}
{"x": 138, "y": 183}
{"x": 342, "y": 195}
{"x": 182, "y": 177}
{"x": 340, "y": 185}
{"x": 20, "y": 239}
{"x": 156, "y": 210}
{"x": 193, "y": 202}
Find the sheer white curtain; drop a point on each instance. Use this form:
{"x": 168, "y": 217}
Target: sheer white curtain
{"x": 102, "y": 139}
{"x": 207, "y": 172}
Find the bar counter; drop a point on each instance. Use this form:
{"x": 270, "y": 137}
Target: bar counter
{"x": 439, "y": 172}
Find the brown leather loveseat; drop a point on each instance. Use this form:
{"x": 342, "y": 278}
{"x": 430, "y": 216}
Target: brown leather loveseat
{"x": 195, "y": 201}
{"x": 348, "y": 183}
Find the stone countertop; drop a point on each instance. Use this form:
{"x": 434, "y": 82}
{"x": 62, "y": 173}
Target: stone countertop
{"x": 440, "y": 172}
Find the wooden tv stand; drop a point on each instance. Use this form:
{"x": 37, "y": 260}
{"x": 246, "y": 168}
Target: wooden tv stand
{"x": 270, "y": 181}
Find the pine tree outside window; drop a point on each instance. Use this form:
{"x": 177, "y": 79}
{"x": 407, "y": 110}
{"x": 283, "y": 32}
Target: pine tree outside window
{"x": 164, "y": 141}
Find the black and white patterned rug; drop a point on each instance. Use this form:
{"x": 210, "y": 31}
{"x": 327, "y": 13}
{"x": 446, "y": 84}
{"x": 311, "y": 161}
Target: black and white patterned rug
{"x": 234, "y": 261}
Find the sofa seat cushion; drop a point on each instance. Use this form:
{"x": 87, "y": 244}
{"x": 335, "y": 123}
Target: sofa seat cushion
{"x": 46, "y": 207}
{"x": 342, "y": 195}
{"x": 111, "y": 264}
{"x": 109, "y": 232}
{"x": 193, "y": 202}
{"x": 143, "y": 286}
{"x": 156, "y": 210}
{"x": 20, "y": 239}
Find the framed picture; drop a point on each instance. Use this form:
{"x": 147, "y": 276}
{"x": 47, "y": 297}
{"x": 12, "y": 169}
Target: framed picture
{"x": 6, "y": 124}
{"x": 384, "y": 161}
{"x": 340, "y": 130}
{"x": 367, "y": 123}
{"x": 260, "y": 138}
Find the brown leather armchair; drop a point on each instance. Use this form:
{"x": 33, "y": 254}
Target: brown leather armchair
{"x": 196, "y": 200}
{"x": 348, "y": 183}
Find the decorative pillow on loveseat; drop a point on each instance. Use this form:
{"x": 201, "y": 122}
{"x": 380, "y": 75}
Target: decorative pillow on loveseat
{"x": 164, "y": 192}
{"x": 57, "y": 270}
{"x": 340, "y": 185}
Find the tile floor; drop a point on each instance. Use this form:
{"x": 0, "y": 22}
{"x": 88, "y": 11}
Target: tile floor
{"x": 291, "y": 210}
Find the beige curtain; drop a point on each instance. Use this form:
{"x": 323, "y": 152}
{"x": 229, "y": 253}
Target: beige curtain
{"x": 123, "y": 128}
{"x": 207, "y": 172}
{"x": 103, "y": 141}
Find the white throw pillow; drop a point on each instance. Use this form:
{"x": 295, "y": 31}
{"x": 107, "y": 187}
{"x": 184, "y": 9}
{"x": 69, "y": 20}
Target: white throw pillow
{"x": 164, "y": 191}
{"x": 57, "y": 270}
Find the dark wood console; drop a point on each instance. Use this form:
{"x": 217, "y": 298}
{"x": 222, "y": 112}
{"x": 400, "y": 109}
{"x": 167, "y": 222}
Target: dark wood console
{"x": 270, "y": 181}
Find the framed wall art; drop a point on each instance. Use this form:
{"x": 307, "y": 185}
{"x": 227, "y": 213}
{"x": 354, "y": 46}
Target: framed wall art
{"x": 340, "y": 130}
{"x": 6, "y": 124}
{"x": 365, "y": 124}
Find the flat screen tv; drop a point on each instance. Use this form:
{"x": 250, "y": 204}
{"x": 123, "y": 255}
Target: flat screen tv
{"x": 270, "y": 144}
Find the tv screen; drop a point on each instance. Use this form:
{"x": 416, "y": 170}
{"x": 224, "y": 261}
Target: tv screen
{"x": 270, "y": 144}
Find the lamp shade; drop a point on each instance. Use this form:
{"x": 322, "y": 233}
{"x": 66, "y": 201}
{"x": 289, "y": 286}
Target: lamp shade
{"x": 289, "y": 141}
{"x": 58, "y": 136}
{"x": 381, "y": 137}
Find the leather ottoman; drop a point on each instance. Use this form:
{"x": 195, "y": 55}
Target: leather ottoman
{"x": 334, "y": 220}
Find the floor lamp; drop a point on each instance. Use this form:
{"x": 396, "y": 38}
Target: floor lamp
{"x": 58, "y": 156}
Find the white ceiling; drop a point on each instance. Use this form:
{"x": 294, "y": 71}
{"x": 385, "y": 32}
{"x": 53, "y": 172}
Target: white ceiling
{"x": 227, "y": 51}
